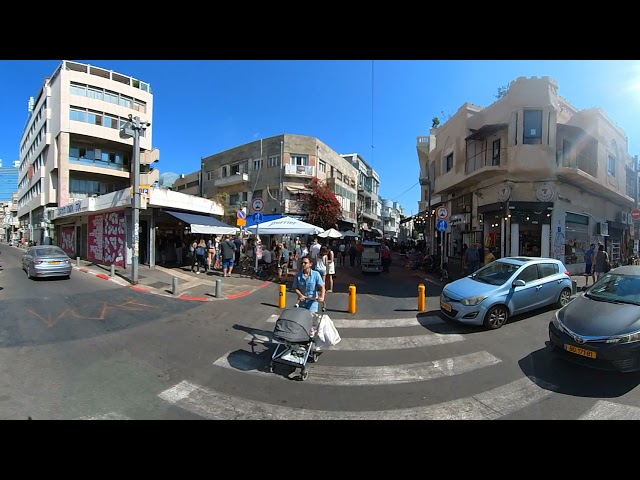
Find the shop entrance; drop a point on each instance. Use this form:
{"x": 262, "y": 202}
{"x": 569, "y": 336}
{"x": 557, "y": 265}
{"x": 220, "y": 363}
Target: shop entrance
{"x": 530, "y": 239}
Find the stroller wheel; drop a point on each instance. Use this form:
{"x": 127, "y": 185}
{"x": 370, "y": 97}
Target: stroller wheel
{"x": 316, "y": 356}
{"x": 303, "y": 375}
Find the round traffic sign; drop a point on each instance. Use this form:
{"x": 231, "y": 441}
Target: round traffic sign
{"x": 442, "y": 212}
{"x": 257, "y": 204}
{"x": 635, "y": 214}
{"x": 241, "y": 214}
{"x": 442, "y": 225}
{"x": 257, "y": 217}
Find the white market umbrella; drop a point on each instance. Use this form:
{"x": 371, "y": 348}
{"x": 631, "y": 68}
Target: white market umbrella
{"x": 285, "y": 225}
{"x": 331, "y": 233}
{"x": 349, "y": 233}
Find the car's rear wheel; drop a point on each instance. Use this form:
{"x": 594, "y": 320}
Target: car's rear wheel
{"x": 496, "y": 317}
{"x": 564, "y": 298}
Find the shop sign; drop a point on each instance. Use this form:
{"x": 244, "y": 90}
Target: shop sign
{"x": 504, "y": 193}
{"x": 545, "y": 193}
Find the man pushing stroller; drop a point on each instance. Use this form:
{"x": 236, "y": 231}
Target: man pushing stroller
{"x": 309, "y": 286}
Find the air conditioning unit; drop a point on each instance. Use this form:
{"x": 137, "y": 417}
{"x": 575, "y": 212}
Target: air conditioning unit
{"x": 623, "y": 217}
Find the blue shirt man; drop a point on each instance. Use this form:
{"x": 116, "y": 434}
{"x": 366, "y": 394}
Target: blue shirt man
{"x": 309, "y": 286}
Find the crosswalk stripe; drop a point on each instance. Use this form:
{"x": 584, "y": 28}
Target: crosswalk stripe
{"x": 489, "y": 405}
{"x": 382, "y": 343}
{"x": 370, "y": 375}
{"x": 604, "y": 410}
{"x": 106, "y": 416}
{"x": 378, "y": 323}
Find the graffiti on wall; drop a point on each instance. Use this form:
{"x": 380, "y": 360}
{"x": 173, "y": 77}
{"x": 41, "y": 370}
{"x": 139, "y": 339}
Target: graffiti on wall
{"x": 107, "y": 238}
{"x": 68, "y": 241}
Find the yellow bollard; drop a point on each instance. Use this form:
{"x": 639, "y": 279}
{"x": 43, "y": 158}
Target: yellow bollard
{"x": 422, "y": 299}
{"x": 352, "y": 298}
{"x": 283, "y": 296}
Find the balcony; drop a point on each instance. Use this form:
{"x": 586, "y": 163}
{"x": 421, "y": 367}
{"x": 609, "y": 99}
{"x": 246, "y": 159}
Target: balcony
{"x": 349, "y": 216}
{"x": 300, "y": 170}
{"x": 294, "y": 206}
{"x": 235, "y": 179}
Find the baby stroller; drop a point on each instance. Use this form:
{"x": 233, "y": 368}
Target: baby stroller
{"x": 294, "y": 336}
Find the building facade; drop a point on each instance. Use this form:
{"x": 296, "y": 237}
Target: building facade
{"x": 8, "y": 181}
{"x": 71, "y": 148}
{"x": 9, "y": 220}
{"x": 369, "y": 206}
{"x": 276, "y": 170}
{"x": 391, "y": 213}
{"x": 530, "y": 175}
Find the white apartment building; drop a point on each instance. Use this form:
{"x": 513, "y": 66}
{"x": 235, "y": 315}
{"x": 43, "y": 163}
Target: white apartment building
{"x": 71, "y": 147}
{"x": 391, "y": 212}
{"x": 369, "y": 206}
{"x": 531, "y": 175}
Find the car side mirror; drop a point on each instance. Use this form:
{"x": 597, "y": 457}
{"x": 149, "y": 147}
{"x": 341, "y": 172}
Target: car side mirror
{"x": 518, "y": 283}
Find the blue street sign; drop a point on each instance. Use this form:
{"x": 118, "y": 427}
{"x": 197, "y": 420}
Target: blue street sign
{"x": 241, "y": 214}
{"x": 257, "y": 217}
{"x": 442, "y": 225}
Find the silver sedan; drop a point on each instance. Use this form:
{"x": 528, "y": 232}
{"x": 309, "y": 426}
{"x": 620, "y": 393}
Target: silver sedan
{"x": 46, "y": 261}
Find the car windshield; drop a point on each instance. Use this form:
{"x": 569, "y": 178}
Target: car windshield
{"x": 616, "y": 288}
{"x": 48, "y": 252}
{"x": 496, "y": 273}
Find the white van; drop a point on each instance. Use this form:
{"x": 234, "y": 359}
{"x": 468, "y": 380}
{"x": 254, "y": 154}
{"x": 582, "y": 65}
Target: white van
{"x": 371, "y": 257}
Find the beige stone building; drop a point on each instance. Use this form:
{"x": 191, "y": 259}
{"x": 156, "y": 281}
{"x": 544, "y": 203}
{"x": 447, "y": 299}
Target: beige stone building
{"x": 277, "y": 170}
{"x": 530, "y": 175}
{"x": 71, "y": 147}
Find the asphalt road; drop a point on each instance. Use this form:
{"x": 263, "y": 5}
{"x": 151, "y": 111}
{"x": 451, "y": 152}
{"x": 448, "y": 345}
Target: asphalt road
{"x": 85, "y": 348}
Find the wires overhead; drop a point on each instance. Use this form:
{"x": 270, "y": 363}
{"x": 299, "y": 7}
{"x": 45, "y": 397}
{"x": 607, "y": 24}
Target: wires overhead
{"x": 406, "y": 191}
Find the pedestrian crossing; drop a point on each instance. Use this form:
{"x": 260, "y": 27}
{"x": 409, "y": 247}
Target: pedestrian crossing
{"x": 406, "y": 362}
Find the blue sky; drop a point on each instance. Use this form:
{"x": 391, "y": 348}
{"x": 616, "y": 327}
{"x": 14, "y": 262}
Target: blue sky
{"x": 376, "y": 108}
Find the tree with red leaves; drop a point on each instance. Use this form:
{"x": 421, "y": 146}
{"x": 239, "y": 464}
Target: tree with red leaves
{"x": 323, "y": 206}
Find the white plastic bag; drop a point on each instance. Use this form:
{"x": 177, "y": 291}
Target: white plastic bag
{"x": 327, "y": 333}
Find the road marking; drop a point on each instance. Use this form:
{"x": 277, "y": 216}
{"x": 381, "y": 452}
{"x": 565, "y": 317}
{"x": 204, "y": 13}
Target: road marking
{"x": 604, "y": 410}
{"x": 489, "y": 405}
{"x": 382, "y": 343}
{"x": 373, "y": 375}
{"x": 106, "y": 416}
{"x": 378, "y": 323}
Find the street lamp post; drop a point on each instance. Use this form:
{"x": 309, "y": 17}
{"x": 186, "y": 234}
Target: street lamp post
{"x": 132, "y": 128}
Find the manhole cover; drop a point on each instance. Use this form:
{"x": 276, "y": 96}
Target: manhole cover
{"x": 159, "y": 285}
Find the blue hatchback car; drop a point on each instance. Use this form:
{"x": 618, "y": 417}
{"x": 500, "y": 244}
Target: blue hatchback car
{"x": 506, "y": 287}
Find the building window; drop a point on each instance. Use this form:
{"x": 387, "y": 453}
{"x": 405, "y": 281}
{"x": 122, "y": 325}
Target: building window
{"x": 234, "y": 199}
{"x": 111, "y": 97}
{"x": 94, "y": 118}
{"x": 257, "y": 194}
{"x": 322, "y": 166}
{"x": 611, "y": 166}
{"x": 210, "y": 175}
{"x": 78, "y": 90}
{"x": 257, "y": 164}
{"x": 245, "y": 196}
{"x": 274, "y": 161}
{"x": 302, "y": 160}
{"x": 448, "y": 162}
{"x": 95, "y": 93}
{"x": 532, "y": 134}
{"x": 495, "y": 161}
{"x": 629, "y": 186}
{"x": 77, "y": 115}
{"x": 235, "y": 169}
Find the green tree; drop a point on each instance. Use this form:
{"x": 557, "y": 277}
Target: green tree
{"x": 502, "y": 91}
{"x": 324, "y": 209}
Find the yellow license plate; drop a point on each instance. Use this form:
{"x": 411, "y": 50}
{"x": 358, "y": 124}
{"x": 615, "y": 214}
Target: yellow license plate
{"x": 54, "y": 263}
{"x": 580, "y": 351}
{"x": 446, "y": 306}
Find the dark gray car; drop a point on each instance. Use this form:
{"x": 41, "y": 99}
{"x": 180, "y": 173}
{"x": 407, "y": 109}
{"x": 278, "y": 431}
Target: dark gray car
{"x": 601, "y": 327}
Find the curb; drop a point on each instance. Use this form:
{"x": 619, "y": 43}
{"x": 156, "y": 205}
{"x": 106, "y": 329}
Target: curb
{"x": 155, "y": 292}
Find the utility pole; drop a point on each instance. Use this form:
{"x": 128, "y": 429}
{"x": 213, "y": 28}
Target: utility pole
{"x": 132, "y": 128}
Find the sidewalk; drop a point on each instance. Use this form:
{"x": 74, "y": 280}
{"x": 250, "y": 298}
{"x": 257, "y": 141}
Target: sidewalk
{"x": 190, "y": 286}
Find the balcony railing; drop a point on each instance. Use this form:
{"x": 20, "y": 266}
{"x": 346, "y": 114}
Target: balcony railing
{"x": 301, "y": 170}
{"x": 485, "y": 158}
{"x": 234, "y": 179}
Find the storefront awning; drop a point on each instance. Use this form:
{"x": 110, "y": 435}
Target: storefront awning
{"x": 298, "y": 189}
{"x": 203, "y": 223}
